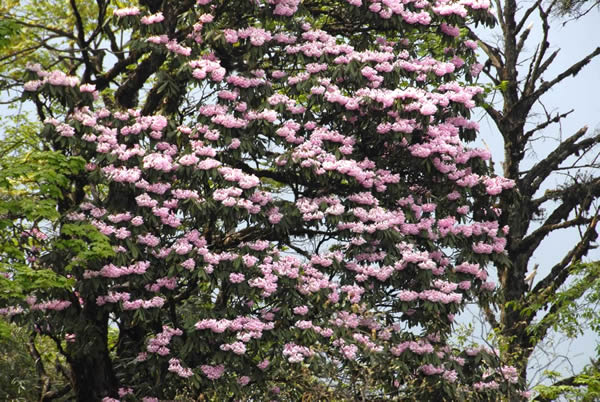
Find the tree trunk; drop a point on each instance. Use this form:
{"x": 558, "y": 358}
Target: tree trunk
{"x": 90, "y": 361}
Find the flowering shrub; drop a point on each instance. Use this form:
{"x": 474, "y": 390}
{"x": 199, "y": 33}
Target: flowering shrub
{"x": 278, "y": 126}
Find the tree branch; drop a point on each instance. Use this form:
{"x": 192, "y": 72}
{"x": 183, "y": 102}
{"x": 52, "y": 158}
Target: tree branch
{"x": 545, "y": 124}
{"x": 127, "y": 93}
{"x": 571, "y": 71}
{"x": 532, "y": 241}
{"x": 560, "y": 272}
{"x": 527, "y": 14}
{"x": 492, "y": 53}
{"x": 89, "y": 68}
{"x": 100, "y": 21}
{"x": 536, "y": 70}
{"x": 490, "y": 316}
{"x": 536, "y": 176}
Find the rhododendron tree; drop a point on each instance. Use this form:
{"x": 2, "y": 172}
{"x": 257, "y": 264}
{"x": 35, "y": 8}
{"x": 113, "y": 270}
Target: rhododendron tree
{"x": 266, "y": 195}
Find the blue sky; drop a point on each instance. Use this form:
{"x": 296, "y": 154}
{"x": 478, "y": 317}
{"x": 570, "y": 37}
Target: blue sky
{"x": 581, "y": 93}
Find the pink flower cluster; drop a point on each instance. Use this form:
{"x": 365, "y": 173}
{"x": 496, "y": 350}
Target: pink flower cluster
{"x": 247, "y": 328}
{"x": 239, "y": 348}
{"x": 55, "y": 78}
{"x": 152, "y": 19}
{"x": 176, "y": 367}
{"x": 128, "y": 11}
{"x": 166, "y": 282}
{"x": 112, "y": 271}
{"x": 213, "y": 372}
{"x": 56, "y": 305}
{"x": 203, "y": 67}
{"x": 295, "y": 353}
{"x": 159, "y": 343}
{"x": 11, "y": 311}
{"x": 285, "y": 7}
{"x": 420, "y": 347}
{"x": 124, "y": 297}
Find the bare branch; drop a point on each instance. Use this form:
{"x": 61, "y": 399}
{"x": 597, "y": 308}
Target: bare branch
{"x": 523, "y": 38}
{"x": 120, "y": 66}
{"x": 545, "y": 124}
{"x": 102, "y": 6}
{"x": 560, "y": 272}
{"x": 527, "y": 14}
{"x": 20, "y": 52}
{"x": 555, "y": 222}
{"x": 492, "y": 53}
{"x": 571, "y": 381}
{"x": 535, "y": 68}
{"x": 490, "y": 316}
{"x": 571, "y": 71}
{"x": 536, "y": 176}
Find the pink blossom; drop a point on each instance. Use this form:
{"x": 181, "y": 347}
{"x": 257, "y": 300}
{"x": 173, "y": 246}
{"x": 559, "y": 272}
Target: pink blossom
{"x": 249, "y": 260}
{"x": 125, "y": 391}
{"x": 450, "y": 376}
{"x": 483, "y": 248}
{"x": 407, "y": 295}
{"x": 479, "y": 386}
{"x": 152, "y": 19}
{"x": 129, "y": 11}
{"x": 32, "y": 86}
{"x": 301, "y": 310}
{"x": 213, "y": 372}
{"x": 148, "y": 239}
{"x": 89, "y": 88}
{"x": 285, "y": 7}
{"x": 274, "y": 216}
{"x": 263, "y": 364}
{"x": 189, "y": 264}
{"x": 162, "y": 39}
{"x": 428, "y": 109}
{"x": 230, "y": 35}
{"x": 430, "y": 369}
{"x": 296, "y": 353}
{"x": 476, "y": 68}
{"x": 236, "y": 277}
{"x": 450, "y": 30}
{"x": 526, "y": 394}
{"x": 158, "y": 161}
{"x": 56, "y": 305}
{"x": 239, "y": 348}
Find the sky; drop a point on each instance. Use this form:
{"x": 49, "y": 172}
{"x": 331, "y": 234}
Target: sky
{"x": 576, "y": 39}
